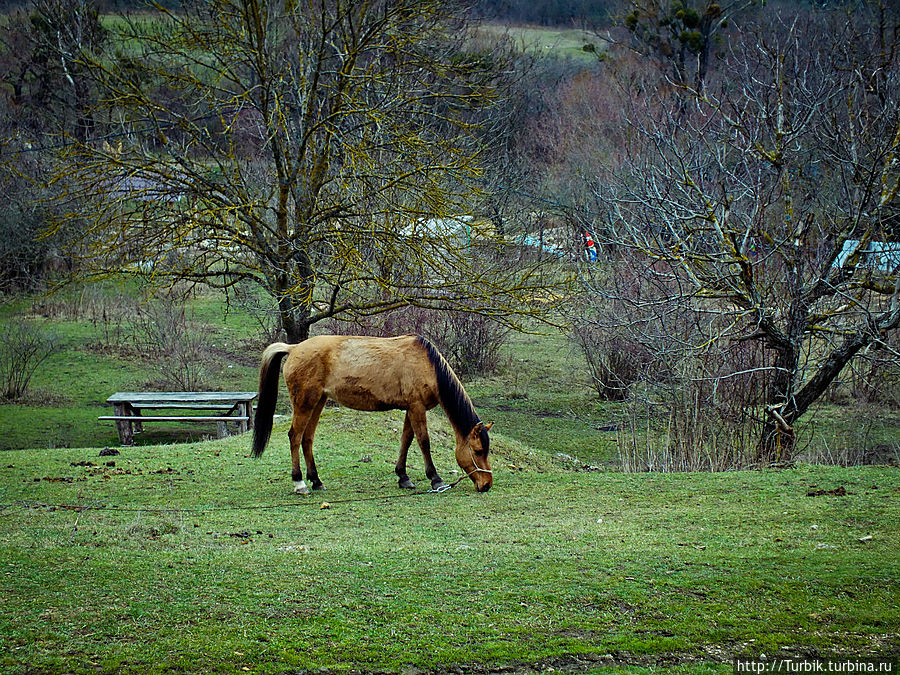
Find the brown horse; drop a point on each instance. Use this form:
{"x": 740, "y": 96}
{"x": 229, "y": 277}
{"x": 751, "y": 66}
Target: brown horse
{"x": 367, "y": 373}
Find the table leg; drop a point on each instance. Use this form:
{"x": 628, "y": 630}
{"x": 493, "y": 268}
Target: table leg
{"x": 222, "y": 429}
{"x": 126, "y": 433}
{"x": 245, "y": 410}
{"x": 138, "y": 426}
{"x": 248, "y": 411}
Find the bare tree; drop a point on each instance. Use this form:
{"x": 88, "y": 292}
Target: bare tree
{"x": 327, "y": 151}
{"x": 768, "y": 209}
{"x": 45, "y": 96}
{"x": 47, "y": 88}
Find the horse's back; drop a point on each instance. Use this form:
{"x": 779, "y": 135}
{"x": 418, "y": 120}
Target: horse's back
{"x": 365, "y": 373}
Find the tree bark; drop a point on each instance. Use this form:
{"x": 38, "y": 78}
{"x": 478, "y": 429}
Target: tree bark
{"x": 296, "y": 331}
{"x": 776, "y": 443}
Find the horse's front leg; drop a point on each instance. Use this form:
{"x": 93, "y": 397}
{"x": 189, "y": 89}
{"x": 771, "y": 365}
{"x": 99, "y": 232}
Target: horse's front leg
{"x": 405, "y": 441}
{"x": 420, "y": 429}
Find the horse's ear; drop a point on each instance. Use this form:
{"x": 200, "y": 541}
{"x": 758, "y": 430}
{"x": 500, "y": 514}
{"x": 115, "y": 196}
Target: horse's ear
{"x": 487, "y": 427}
{"x": 477, "y": 430}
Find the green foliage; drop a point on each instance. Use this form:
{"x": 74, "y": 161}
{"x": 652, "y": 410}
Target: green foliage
{"x": 689, "y": 17}
{"x": 693, "y": 39}
{"x": 669, "y": 31}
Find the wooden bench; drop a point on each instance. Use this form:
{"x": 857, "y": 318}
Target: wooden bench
{"x": 128, "y": 407}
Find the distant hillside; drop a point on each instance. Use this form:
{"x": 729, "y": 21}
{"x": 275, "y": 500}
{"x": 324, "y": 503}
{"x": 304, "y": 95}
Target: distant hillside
{"x": 541, "y": 12}
{"x": 104, "y": 5}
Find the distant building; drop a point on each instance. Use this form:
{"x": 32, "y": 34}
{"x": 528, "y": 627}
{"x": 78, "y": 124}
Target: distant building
{"x": 883, "y": 256}
{"x": 144, "y": 189}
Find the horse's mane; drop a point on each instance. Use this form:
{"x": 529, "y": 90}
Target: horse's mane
{"x": 454, "y": 399}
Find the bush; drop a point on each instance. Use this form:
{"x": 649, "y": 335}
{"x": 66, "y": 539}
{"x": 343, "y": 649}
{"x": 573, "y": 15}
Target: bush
{"x": 613, "y": 361}
{"x": 705, "y": 416}
{"x": 22, "y": 250}
{"x": 471, "y": 343}
{"x": 22, "y": 349}
{"x": 178, "y": 345}
{"x": 259, "y": 306}
{"x": 692, "y": 394}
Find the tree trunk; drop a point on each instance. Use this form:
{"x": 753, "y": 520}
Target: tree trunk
{"x": 776, "y": 443}
{"x": 295, "y": 299}
{"x": 294, "y": 320}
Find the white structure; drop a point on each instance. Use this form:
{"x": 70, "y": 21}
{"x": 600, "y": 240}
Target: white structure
{"x": 883, "y": 256}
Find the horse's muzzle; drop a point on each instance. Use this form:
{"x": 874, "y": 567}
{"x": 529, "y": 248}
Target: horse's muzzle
{"x": 484, "y": 487}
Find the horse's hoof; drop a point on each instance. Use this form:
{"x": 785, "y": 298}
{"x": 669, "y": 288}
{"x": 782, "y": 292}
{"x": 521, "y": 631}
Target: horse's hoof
{"x": 407, "y": 484}
{"x": 439, "y": 485}
{"x": 318, "y": 486}
{"x": 300, "y": 488}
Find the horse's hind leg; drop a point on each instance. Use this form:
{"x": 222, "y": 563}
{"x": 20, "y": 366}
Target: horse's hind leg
{"x": 308, "y": 434}
{"x": 419, "y": 425}
{"x": 405, "y": 441}
{"x": 302, "y": 419}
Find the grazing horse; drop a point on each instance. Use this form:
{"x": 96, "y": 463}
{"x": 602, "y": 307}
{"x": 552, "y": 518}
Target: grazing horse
{"x": 368, "y": 373}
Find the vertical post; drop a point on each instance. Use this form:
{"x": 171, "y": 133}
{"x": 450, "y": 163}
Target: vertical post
{"x": 247, "y": 411}
{"x": 126, "y": 433}
{"x": 137, "y": 425}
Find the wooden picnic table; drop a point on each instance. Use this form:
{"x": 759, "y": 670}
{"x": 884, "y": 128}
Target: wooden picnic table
{"x": 129, "y": 407}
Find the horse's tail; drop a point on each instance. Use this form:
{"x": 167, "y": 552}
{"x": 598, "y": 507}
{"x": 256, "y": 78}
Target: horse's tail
{"x": 269, "y": 373}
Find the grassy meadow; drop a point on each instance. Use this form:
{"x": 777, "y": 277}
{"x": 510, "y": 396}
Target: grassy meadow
{"x": 195, "y": 557}
{"x": 185, "y": 554}
{"x": 542, "y": 41}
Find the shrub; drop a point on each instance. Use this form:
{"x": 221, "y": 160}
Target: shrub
{"x": 179, "y": 347}
{"x": 613, "y": 361}
{"x": 692, "y": 394}
{"x": 260, "y": 308}
{"x": 22, "y": 349}
{"x": 471, "y": 343}
{"x": 704, "y": 416}
{"x": 22, "y": 250}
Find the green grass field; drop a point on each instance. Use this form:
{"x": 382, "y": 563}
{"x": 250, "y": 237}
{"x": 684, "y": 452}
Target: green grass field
{"x": 195, "y": 557}
{"x": 566, "y": 43}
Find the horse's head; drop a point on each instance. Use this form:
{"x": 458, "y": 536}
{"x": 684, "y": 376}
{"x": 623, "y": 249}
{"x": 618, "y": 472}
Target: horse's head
{"x": 472, "y": 456}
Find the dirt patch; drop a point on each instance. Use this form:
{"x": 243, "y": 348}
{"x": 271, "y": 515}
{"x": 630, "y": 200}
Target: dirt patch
{"x": 840, "y": 491}
{"x": 244, "y": 357}
{"x": 564, "y": 664}
{"x": 617, "y": 659}
{"x": 44, "y": 398}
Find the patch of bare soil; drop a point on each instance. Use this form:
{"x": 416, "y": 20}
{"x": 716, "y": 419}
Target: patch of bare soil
{"x": 241, "y": 356}
{"x": 840, "y": 491}
{"x": 580, "y": 663}
{"x": 565, "y": 664}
